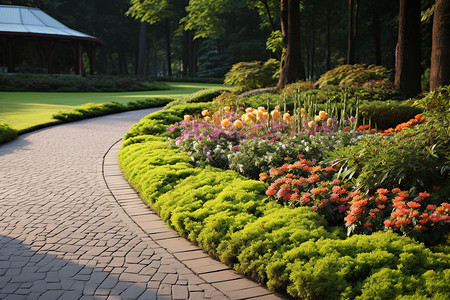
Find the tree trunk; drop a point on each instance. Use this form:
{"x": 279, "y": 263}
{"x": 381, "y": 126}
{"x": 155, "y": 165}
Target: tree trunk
{"x": 140, "y": 68}
{"x": 313, "y": 44}
{"x": 440, "y": 49}
{"x": 329, "y": 34}
{"x": 169, "y": 50}
{"x": 407, "y": 54}
{"x": 353, "y": 12}
{"x": 307, "y": 48}
{"x": 292, "y": 69}
{"x": 376, "y": 32}
{"x": 350, "y": 41}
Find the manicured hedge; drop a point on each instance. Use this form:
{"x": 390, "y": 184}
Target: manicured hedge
{"x": 90, "y": 110}
{"x": 206, "y": 95}
{"x": 72, "y": 83}
{"x": 7, "y": 133}
{"x": 291, "y": 250}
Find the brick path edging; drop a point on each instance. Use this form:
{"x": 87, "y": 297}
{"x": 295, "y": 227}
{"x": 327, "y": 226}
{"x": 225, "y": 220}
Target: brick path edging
{"x": 223, "y": 278}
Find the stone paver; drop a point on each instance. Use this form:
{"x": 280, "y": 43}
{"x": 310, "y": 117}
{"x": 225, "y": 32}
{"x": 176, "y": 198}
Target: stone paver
{"x": 66, "y": 234}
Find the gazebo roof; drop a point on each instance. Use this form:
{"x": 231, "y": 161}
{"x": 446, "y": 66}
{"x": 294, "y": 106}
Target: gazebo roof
{"x": 29, "y": 21}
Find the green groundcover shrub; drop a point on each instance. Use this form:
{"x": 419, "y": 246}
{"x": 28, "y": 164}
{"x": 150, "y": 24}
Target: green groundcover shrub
{"x": 7, "y": 133}
{"x": 72, "y": 83}
{"x": 291, "y": 250}
{"x": 90, "y": 110}
{"x": 205, "y": 95}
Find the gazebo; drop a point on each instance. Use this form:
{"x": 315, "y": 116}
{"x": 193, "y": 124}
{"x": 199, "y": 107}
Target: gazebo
{"x": 32, "y": 41}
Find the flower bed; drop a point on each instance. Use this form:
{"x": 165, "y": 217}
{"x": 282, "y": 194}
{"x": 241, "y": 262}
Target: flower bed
{"x": 290, "y": 248}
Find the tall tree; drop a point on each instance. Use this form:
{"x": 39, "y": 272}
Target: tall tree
{"x": 353, "y": 9}
{"x": 142, "y": 50}
{"x": 407, "y": 53}
{"x": 152, "y": 12}
{"x": 440, "y": 49}
{"x": 292, "y": 68}
{"x": 376, "y": 31}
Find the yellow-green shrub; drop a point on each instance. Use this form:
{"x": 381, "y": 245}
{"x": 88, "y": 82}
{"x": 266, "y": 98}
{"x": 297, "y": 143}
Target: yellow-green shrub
{"x": 292, "y": 250}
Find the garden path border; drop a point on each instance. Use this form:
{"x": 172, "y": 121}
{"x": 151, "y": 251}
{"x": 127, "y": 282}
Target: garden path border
{"x": 222, "y": 277}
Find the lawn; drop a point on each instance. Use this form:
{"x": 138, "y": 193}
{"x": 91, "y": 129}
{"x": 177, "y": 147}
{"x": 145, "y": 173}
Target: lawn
{"x": 26, "y": 109}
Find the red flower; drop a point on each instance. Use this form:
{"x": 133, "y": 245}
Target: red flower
{"x": 382, "y": 191}
{"x": 412, "y": 204}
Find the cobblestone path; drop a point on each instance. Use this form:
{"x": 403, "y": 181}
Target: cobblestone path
{"x": 63, "y": 236}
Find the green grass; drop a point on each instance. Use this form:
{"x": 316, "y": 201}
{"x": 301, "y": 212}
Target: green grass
{"x": 23, "y": 110}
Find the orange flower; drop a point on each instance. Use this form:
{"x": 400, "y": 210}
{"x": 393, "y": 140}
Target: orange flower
{"x": 311, "y": 124}
{"x": 413, "y": 214}
{"x": 187, "y": 118}
{"x": 382, "y": 191}
{"x": 275, "y": 113}
{"x": 286, "y": 117}
{"x": 424, "y": 195}
{"x": 263, "y": 176}
{"x": 225, "y": 122}
{"x": 226, "y": 108}
{"x": 207, "y": 119}
{"x": 249, "y": 110}
{"x": 412, "y": 204}
{"x": 205, "y": 113}
{"x": 317, "y": 119}
{"x": 302, "y": 112}
{"x": 258, "y": 114}
{"x": 323, "y": 115}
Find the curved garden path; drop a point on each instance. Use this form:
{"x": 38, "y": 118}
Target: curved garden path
{"x": 72, "y": 228}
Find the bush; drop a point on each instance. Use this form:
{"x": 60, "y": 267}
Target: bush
{"x": 206, "y": 95}
{"x": 71, "y": 83}
{"x": 292, "y": 250}
{"x": 252, "y": 75}
{"x": 387, "y": 114}
{"x": 348, "y": 75}
{"x": 414, "y": 158}
{"x": 90, "y": 110}
{"x": 7, "y": 133}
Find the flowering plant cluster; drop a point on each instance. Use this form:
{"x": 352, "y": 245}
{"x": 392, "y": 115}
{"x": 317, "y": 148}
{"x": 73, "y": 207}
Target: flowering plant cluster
{"x": 305, "y": 183}
{"x": 252, "y": 141}
{"x": 418, "y": 119}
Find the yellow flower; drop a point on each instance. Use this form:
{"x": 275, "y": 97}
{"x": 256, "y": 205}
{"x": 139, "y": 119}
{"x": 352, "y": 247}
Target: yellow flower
{"x": 238, "y": 124}
{"x": 248, "y": 109}
{"x": 323, "y": 115}
{"x": 311, "y": 124}
{"x": 262, "y": 109}
{"x": 259, "y": 114}
{"x": 225, "y": 122}
{"x": 317, "y": 119}
{"x": 187, "y": 118}
{"x": 275, "y": 113}
{"x": 286, "y": 117}
{"x": 205, "y": 113}
{"x": 226, "y": 108}
{"x": 207, "y": 119}
{"x": 248, "y": 117}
